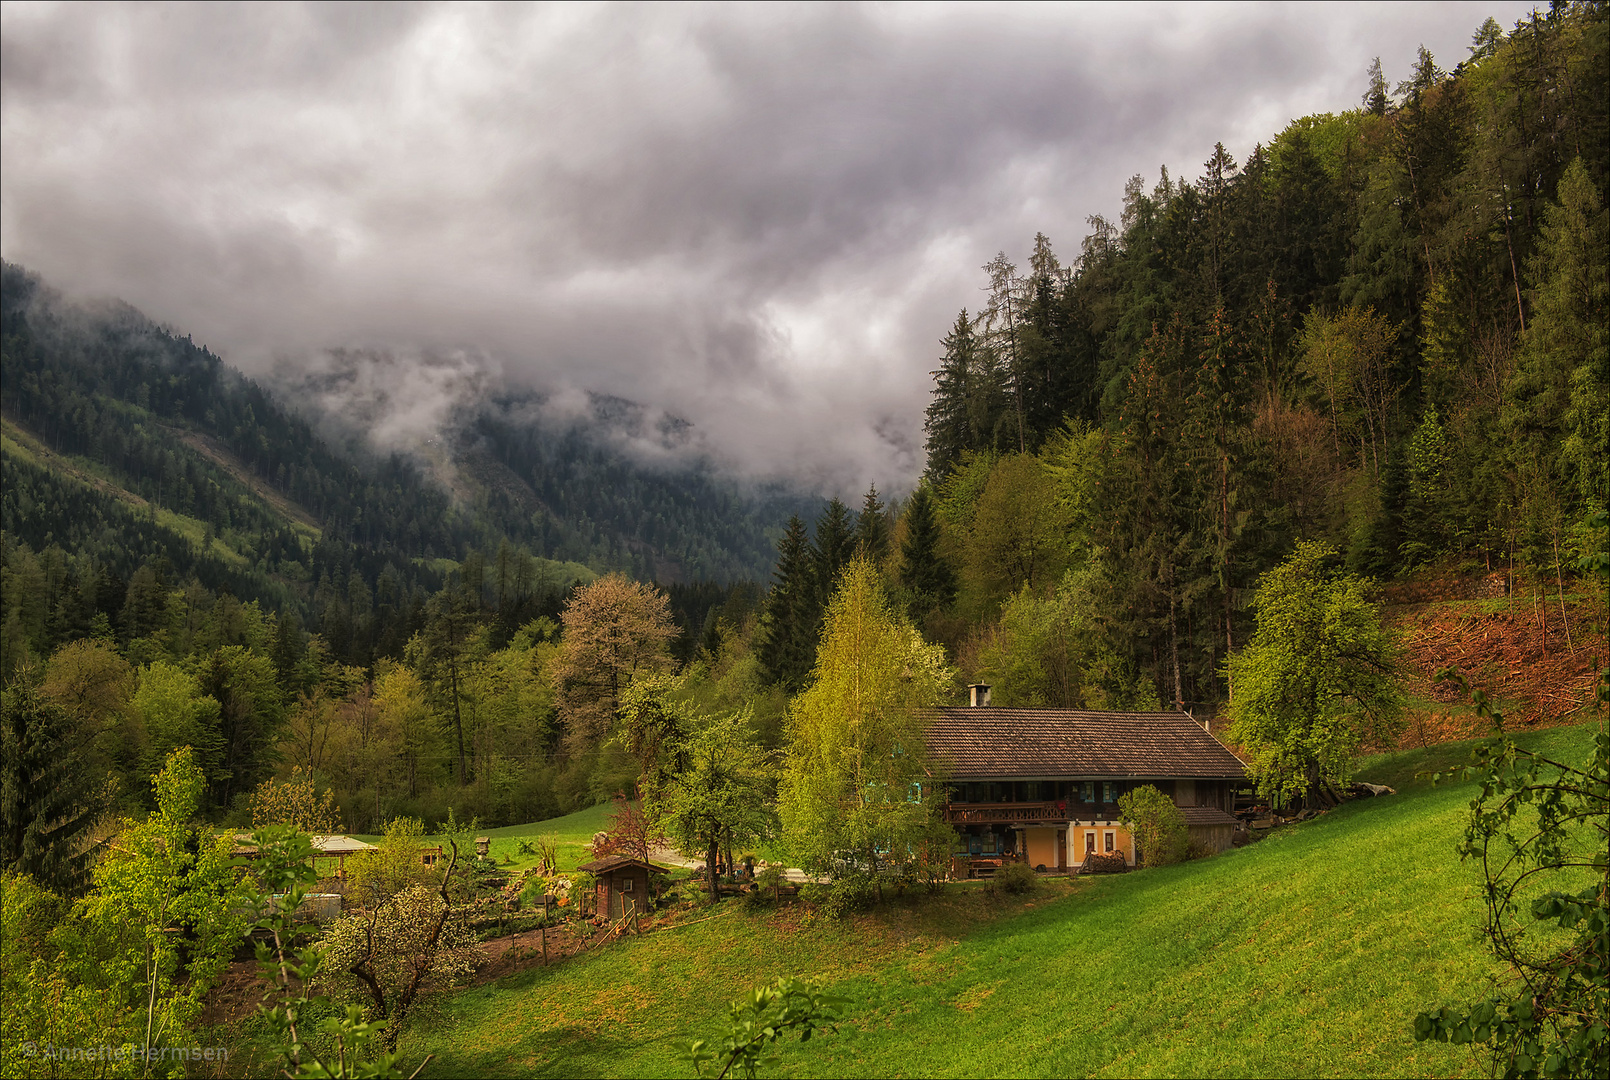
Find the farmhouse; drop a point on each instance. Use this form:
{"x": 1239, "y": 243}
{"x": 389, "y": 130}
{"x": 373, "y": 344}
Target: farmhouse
{"x": 1042, "y": 785}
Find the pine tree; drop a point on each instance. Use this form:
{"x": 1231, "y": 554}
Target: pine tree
{"x": 449, "y": 624}
{"x": 969, "y": 410}
{"x": 1218, "y": 418}
{"x": 1375, "y": 98}
{"x": 1561, "y": 390}
{"x": 1002, "y": 318}
{"x": 931, "y": 583}
{"x": 1485, "y": 41}
{"x": 1426, "y": 75}
{"x": 47, "y": 797}
{"x": 788, "y": 621}
{"x": 872, "y": 528}
{"x": 834, "y": 546}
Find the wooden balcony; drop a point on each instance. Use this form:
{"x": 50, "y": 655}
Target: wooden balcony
{"x": 1012, "y": 813}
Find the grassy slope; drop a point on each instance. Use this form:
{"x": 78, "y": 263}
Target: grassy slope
{"x": 1305, "y": 954}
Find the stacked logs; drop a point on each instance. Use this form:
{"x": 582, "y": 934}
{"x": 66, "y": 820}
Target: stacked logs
{"x": 1097, "y": 863}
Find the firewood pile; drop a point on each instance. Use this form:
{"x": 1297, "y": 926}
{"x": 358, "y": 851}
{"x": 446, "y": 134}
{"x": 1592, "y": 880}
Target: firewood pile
{"x": 1097, "y": 863}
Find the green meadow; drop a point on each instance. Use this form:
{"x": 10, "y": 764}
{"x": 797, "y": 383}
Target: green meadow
{"x": 573, "y": 834}
{"x": 1305, "y": 954}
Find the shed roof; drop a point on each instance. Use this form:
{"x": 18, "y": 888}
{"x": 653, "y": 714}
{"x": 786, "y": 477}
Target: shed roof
{"x": 322, "y": 845}
{"x": 618, "y": 862}
{"x": 989, "y": 743}
{"x": 1206, "y": 815}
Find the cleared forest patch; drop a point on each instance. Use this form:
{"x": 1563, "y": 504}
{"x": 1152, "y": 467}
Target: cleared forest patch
{"x": 1514, "y": 648}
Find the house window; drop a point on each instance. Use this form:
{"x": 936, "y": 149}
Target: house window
{"x": 1090, "y": 843}
{"x": 1107, "y": 841}
{"x": 1087, "y": 791}
{"x": 1109, "y": 791}
{"x": 626, "y": 885}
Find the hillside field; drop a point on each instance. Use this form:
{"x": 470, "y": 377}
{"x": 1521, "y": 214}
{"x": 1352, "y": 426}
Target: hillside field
{"x": 1305, "y": 954}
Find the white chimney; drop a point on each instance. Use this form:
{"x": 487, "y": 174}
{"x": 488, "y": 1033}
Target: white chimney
{"x": 978, "y": 695}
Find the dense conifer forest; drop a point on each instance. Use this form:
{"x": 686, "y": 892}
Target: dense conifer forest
{"x": 1385, "y": 330}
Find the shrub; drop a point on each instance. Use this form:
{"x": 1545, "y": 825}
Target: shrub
{"x": 766, "y": 1015}
{"x": 843, "y": 897}
{"x": 1016, "y": 878}
{"x": 583, "y": 888}
{"x": 770, "y": 880}
{"x": 393, "y": 867}
{"x": 1158, "y": 825}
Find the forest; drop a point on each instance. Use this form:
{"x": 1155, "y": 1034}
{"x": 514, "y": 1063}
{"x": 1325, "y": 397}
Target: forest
{"x": 1385, "y": 331}
{"x": 1382, "y": 335}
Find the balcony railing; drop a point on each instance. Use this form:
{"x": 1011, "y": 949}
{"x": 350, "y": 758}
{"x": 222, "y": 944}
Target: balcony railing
{"x": 999, "y": 813}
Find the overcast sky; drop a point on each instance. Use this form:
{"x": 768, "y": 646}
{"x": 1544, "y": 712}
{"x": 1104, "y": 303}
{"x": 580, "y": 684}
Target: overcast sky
{"x": 761, "y": 219}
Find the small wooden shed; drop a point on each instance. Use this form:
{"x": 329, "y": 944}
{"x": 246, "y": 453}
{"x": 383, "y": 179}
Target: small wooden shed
{"x": 622, "y": 884}
{"x": 1211, "y": 829}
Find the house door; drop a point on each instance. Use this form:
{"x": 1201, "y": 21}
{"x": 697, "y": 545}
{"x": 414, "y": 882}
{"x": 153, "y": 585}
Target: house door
{"x": 1062, "y": 849}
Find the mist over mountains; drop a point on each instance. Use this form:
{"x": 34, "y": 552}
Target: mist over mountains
{"x": 394, "y": 459}
{"x": 757, "y": 219}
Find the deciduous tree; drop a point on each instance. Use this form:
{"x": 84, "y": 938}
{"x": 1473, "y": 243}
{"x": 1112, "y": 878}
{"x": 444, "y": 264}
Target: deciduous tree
{"x": 614, "y": 630}
{"x": 857, "y": 781}
{"x": 1318, "y": 680}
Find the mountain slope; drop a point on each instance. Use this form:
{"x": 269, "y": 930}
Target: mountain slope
{"x": 102, "y": 396}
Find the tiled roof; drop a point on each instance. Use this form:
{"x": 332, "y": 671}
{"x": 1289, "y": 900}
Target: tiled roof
{"x": 1206, "y": 815}
{"x": 1008, "y": 743}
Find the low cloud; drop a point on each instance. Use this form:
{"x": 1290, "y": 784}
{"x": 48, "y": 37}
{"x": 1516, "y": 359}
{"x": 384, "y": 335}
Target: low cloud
{"x": 757, "y": 219}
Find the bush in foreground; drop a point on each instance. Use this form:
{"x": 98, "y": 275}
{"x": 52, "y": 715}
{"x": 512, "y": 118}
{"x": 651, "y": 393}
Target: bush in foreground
{"x": 1016, "y": 878}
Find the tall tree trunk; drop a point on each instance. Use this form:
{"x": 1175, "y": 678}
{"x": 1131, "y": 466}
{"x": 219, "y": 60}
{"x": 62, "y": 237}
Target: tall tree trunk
{"x": 1224, "y": 564}
{"x": 1520, "y": 311}
{"x": 1559, "y": 581}
{"x": 1174, "y": 644}
{"x": 458, "y": 722}
{"x": 711, "y": 856}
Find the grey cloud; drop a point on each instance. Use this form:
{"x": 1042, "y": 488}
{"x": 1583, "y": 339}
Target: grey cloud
{"x": 758, "y": 218}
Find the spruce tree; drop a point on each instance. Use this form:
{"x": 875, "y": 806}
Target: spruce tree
{"x": 948, "y": 418}
{"x": 923, "y": 572}
{"x": 47, "y": 797}
{"x": 1375, "y": 98}
{"x": 787, "y": 646}
{"x": 872, "y": 528}
{"x": 834, "y": 546}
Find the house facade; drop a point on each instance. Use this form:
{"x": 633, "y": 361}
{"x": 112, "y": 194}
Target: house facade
{"x": 1042, "y": 785}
